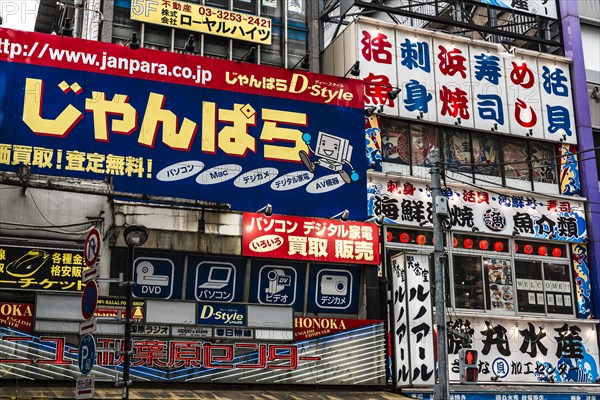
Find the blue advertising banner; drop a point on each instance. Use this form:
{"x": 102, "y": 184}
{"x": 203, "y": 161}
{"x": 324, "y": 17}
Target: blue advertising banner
{"x": 215, "y": 279}
{"x": 182, "y": 126}
{"x": 153, "y": 277}
{"x": 156, "y": 275}
{"x": 566, "y": 394}
{"x": 333, "y": 290}
{"x": 277, "y": 283}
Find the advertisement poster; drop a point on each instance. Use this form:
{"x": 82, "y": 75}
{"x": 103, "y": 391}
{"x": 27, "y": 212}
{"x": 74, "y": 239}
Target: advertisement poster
{"x": 233, "y": 134}
{"x": 310, "y": 239}
{"x": 41, "y": 268}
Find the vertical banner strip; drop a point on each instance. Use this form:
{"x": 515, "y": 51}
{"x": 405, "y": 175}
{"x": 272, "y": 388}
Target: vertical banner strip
{"x": 420, "y": 318}
{"x": 399, "y": 326}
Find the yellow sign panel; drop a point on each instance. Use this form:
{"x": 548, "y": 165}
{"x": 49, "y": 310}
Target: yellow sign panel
{"x": 199, "y": 18}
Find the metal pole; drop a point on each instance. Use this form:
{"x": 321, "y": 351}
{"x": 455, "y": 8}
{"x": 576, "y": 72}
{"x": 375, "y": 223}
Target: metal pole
{"x": 128, "y": 312}
{"x": 384, "y": 289}
{"x": 442, "y": 391}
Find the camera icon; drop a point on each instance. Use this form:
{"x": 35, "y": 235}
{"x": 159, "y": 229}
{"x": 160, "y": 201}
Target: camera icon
{"x": 334, "y": 285}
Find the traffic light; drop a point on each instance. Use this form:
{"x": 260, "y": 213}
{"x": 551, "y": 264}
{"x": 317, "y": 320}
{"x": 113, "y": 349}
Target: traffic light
{"x": 467, "y": 365}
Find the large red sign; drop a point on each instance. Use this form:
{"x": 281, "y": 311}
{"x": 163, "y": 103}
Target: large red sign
{"x": 17, "y": 316}
{"x": 310, "y": 239}
{"x": 211, "y": 73}
{"x": 313, "y": 327}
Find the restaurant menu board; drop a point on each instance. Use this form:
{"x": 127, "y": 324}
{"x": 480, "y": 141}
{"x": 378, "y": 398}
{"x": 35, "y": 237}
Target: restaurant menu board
{"x": 500, "y": 284}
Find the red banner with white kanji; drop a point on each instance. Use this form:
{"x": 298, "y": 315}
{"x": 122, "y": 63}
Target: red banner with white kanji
{"x": 310, "y": 239}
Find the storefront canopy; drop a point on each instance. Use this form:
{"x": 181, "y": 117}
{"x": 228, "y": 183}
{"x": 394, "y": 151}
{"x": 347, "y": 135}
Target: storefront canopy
{"x": 141, "y": 392}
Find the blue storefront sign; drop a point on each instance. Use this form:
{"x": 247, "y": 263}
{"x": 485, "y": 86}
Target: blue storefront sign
{"x": 222, "y": 314}
{"x": 502, "y": 394}
{"x": 154, "y": 278}
{"x": 277, "y": 283}
{"x": 333, "y": 290}
{"x": 215, "y": 279}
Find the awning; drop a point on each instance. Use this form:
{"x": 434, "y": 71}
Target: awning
{"x": 168, "y": 391}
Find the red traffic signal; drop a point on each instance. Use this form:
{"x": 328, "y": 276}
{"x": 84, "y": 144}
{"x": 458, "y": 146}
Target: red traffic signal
{"x": 469, "y": 357}
{"x": 467, "y": 365}
{"x": 470, "y": 375}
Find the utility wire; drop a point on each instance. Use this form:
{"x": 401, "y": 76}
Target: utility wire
{"x": 54, "y": 228}
{"x": 501, "y": 185}
{"x": 530, "y": 163}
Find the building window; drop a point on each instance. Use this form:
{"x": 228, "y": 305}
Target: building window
{"x": 422, "y": 139}
{"x": 515, "y": 159}
{"x": 510, "y": 161}
{"x": 557, "y": 285}
{"x": 530, "y": 286}
{"x": 394, "y": 138}
{"x": 468, "y": 282}
{"x": 543, "y": 162}
{"x": 540, "y": 281}
{"x": 499, "y": 284}
{"x": 292, "y": 40}
{"x": 596, "y": 134}
{"x": 486, "y": 151}
{"x": 458, "y": 151}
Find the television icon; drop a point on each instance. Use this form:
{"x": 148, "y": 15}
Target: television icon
{"x": 332, "y": 152}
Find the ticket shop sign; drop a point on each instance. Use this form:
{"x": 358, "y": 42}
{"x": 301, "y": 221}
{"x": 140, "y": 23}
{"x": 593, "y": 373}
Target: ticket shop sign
{"x": 203, "y": 19}
{"x": 310, "y": 239}
{"x": 17, "y": 316}
{"x": 182, "y": 126}
{"x": 36, "y": 268}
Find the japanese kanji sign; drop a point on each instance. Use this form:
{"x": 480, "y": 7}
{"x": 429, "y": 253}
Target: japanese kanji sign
{"x": 36, "y": 268}
{"x": 420, "y": 318}
{"x": 523, "y": 351}
{"x": 399, "y": 323}
{"x": 199, "y": 18}
{"x": 182, "y": 126}
{"x": 189, "y": 356}
{"x": 310, "y": 239}
{"x": 464, "y": 83}
{"x": 543, "y": 8}
{"x": 529, "y": 216}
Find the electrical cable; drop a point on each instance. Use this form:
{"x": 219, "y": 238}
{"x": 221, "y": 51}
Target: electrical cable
{"x": 531, "y": 162}
{"x": 53, "y": 228}
{"x": 544, "y": 158}
{"x": 515, "y": 189}
{"x": 61, "y": 231}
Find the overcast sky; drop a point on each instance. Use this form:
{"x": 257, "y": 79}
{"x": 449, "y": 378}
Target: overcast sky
{"x": 18, "y": 14}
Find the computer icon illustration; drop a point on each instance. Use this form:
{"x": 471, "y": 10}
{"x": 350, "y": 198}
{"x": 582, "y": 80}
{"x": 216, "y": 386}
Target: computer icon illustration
{"x": 218, "y": 278}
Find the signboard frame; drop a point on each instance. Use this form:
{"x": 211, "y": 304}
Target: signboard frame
{"x": 89, "y": 299}
{"x": 93, "y": 236}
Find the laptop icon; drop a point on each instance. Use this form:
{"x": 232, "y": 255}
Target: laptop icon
{"x": 218, "y": 278}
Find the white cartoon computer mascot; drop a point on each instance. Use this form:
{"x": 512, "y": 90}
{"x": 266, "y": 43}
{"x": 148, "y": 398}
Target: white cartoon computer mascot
{"x": 332, "y": 152}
